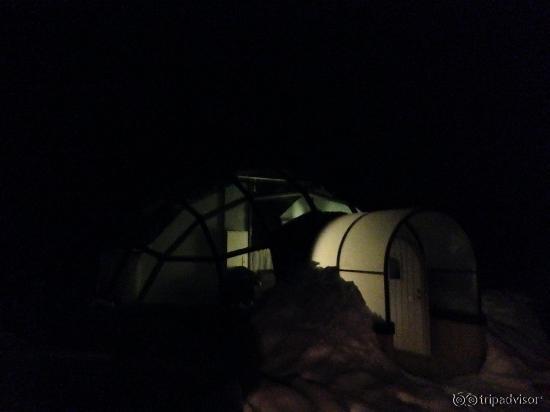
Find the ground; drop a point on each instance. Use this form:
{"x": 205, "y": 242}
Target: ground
{"x": 308, "y": 346}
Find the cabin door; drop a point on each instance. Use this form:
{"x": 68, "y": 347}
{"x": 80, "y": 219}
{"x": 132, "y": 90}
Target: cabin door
{"x": 408, "y": 295}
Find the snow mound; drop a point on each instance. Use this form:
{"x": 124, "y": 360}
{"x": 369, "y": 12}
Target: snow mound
{"x": 319, "y": 353}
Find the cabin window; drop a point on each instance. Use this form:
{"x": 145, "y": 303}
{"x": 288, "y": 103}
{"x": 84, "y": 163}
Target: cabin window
{"x": 394, "y": 268}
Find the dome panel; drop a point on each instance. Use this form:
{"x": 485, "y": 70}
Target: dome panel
{"x": 172, "y": 231}
{"x": 325, "y": 250}
{"x": 445, "y": 243}
{"x": 364, "y": 248}
{"x": 185, "y": 283}
{"x": 296, "y": 209}
{"x": 325, "y": 204}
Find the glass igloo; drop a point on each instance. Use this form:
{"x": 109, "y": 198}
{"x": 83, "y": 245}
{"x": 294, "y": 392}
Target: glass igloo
{"x": 223, "y": 227}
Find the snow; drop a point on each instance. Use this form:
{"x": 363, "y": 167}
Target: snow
{"x": 319, "y": 353}
{"x": 518, "y": 351}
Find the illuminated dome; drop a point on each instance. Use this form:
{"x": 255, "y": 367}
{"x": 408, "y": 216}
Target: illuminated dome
{"x": 226, "y": 226}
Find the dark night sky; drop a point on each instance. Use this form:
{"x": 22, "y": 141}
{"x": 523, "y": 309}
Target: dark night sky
{"x": 390, "y": 104}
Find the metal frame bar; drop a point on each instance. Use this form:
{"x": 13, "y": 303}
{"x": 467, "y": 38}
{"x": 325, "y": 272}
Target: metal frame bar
{"x": 119, "y": 270}
{"x": 341, "y": 245}
{"x": 242, "y": 251}
{"x": 300, "y": 189}
{"x": 469, "y": 271}
{"x": 250, "y": 207}
{"x": 181, "y": 238}
{"x": 166, "y": 256}
{"x": 202, "y": 259}
{"x": 282, "y": 195}
{"x": 219, "y": 258}
{"x": 415, "y": 236}
{"x": 150, "y": 280}
{"x": 251, "y": 199}
{"x": 199, "y": 218}
{"x": 149, "y": 251}
{"x": 190, "y": 259}
{"x": 366, "y": 272}
{"x": 261, "y": 179}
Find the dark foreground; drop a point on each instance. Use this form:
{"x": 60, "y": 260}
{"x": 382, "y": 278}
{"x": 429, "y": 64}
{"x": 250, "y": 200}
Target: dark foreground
{"x": 154, "y": 359}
